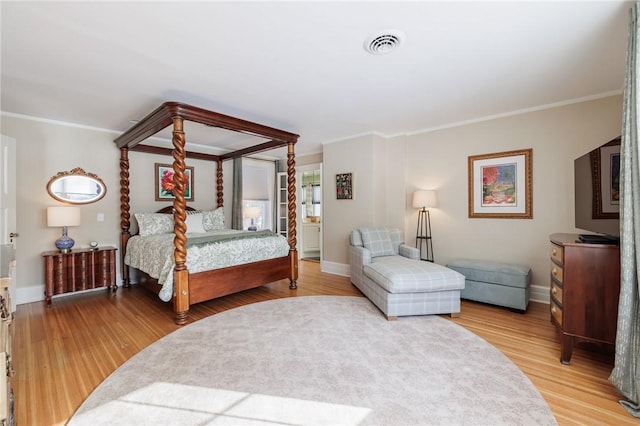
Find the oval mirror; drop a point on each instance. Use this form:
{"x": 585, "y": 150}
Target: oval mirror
{"x": 76, "y": 187}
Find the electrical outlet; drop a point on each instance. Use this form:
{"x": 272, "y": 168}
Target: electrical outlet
{"x": 100, "y": 217}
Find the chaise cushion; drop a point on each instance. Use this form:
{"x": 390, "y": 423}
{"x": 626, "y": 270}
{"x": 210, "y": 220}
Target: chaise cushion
{"x": 397, "y": 274}
{"x": 377, "y": 241}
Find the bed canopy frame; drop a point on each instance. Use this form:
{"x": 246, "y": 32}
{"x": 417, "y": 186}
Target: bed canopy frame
{"x": 193, "y": 288}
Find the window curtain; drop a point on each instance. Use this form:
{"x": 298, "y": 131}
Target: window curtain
{"x": 626, "y": 371}
{"x": 236, "y": 212}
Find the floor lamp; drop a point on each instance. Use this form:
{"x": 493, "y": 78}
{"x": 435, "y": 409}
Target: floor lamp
{"x": 422, "y": 200}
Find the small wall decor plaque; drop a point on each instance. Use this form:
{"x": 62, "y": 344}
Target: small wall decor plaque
{"x": 344, "y": 186}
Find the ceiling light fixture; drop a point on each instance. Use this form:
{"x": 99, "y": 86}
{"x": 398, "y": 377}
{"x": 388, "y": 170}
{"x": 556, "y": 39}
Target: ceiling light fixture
{"x": 383, "y": 42}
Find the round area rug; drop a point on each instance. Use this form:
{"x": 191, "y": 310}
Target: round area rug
{"x": 317, "y": 360}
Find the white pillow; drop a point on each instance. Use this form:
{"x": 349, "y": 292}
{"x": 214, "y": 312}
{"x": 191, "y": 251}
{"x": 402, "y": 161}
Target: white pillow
{"x": 194, "y": 224}
{"x": 154, "y": 223}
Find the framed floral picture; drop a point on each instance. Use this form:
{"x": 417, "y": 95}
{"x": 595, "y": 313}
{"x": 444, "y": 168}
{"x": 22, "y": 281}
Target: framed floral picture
{"x": 605, "y": 178}
{"x": 344, "y": 186}
{"x": 164, "y": 182}
{"x": 500, "y": 185}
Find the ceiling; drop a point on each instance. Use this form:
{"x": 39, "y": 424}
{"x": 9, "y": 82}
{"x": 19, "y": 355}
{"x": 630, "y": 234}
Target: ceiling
{"x": 301, "y": 66}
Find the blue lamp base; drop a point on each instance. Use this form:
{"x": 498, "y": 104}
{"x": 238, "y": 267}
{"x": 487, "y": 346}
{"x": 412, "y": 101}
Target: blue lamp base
{"x": 64, "y": 243}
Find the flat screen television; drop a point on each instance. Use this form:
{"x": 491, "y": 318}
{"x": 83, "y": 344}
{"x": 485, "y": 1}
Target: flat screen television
{"x": 597, "y": 196}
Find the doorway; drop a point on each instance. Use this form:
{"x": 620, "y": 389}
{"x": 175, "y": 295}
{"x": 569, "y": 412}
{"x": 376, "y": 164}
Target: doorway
{"x": 310, "y": 208}
{"x": 8, "y": 216}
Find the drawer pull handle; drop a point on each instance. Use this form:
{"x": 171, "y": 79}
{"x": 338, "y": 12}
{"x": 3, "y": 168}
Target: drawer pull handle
{"x": 554, "y": 252}
{"x": 554, "y": 290}
{"x": 554, "y": 271}
{"x": 553, "y": 310}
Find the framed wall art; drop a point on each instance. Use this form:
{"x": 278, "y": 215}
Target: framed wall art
{"x": 164, "y": 182}
{"x": 344, "y": 186}
{"x": 500, "y": 185}
{"x": 605, "y": 178}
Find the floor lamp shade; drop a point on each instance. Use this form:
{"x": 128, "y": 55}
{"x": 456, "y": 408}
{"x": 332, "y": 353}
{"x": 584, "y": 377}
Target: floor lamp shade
{"x": 63, "y": 217}
{"x": 424, "y": 199}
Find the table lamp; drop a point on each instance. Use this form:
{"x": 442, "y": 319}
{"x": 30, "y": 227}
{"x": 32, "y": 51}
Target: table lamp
{"x": 64, "y": 217}
{"x": 252, "y": 213}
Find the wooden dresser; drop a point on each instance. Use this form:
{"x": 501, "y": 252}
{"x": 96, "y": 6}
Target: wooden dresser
{"x": 80, "y": 269}
{"x": 585, "y": 286}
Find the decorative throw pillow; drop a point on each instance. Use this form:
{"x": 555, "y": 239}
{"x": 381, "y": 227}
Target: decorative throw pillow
{"x": 377, "y": 240}
{"x": 154, "y": 223}
{"x": 213, "y": 220}
{"x": 355, "y": 238}
{"x": 194, "y": 223}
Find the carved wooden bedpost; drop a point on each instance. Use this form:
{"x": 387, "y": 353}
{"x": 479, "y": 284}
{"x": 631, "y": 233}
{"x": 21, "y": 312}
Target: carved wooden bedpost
{"x": 181, "y": 274}
{"x": 291, "y": 191}
{"x": 219, "y": 186}
{"x": 124, "y": 213}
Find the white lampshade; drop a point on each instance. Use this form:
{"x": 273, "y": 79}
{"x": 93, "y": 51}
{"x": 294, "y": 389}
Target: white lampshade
{"x": 63, "y": 216}
{"x": 252, "y": 212}
{"x": 425, "y": 198}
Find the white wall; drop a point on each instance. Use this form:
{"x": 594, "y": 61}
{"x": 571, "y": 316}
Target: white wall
{"x": 438, "y": 160}
{"x": 45, "y": 148}
{"x": 378, "y": 171}
{"x": 386, "y": 172}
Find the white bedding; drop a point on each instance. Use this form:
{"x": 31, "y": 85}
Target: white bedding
{"x": 154, "y": 255}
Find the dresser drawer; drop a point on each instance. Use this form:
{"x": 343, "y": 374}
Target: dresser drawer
{"x": 556, "y": 311}
{"x": 557, "y": 253}
{"x": 557, "y": 272}
{"x": 556, "y": 292}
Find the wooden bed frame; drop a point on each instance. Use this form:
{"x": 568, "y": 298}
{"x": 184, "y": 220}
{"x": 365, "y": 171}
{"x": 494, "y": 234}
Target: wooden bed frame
{"x": 189, "y": 289}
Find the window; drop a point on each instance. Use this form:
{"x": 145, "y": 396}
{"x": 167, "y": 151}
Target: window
{"x": 258, "y": 189}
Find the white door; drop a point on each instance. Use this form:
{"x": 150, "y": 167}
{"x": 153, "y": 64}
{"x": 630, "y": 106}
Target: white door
{"x": 8, "y": 230}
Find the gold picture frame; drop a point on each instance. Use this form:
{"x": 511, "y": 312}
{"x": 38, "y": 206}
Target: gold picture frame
{"x": 500, "y": 185}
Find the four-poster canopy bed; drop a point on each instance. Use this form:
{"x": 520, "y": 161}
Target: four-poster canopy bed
{"x": 190, "y": 288}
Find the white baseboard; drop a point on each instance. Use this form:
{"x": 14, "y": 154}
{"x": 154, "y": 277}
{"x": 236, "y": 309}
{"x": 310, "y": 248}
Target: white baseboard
{"x": 335, "y": 268}
{"x": 36, "y": 293}
{"x": 29, "y": 294}
{"x": 540, "y": 294}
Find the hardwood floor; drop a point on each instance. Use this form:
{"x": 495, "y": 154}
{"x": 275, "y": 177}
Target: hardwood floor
{"x": 63, "y": 352}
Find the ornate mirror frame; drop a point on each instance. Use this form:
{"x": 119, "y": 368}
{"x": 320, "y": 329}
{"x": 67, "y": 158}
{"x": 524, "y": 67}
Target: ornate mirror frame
{"x": 83, "y": 187}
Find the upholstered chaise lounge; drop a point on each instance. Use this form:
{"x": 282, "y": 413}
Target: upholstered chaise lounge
{"x": 391, "y": 274}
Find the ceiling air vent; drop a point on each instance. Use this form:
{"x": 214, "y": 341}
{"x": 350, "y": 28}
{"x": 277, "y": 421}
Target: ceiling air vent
{"x": 384, "y": 42}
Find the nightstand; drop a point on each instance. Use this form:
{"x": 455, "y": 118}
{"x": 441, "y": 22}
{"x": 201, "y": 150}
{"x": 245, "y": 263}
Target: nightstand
{"x": 78, "y": 270}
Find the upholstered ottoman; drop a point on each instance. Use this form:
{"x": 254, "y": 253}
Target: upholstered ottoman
{"x": 501, "y": 284}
